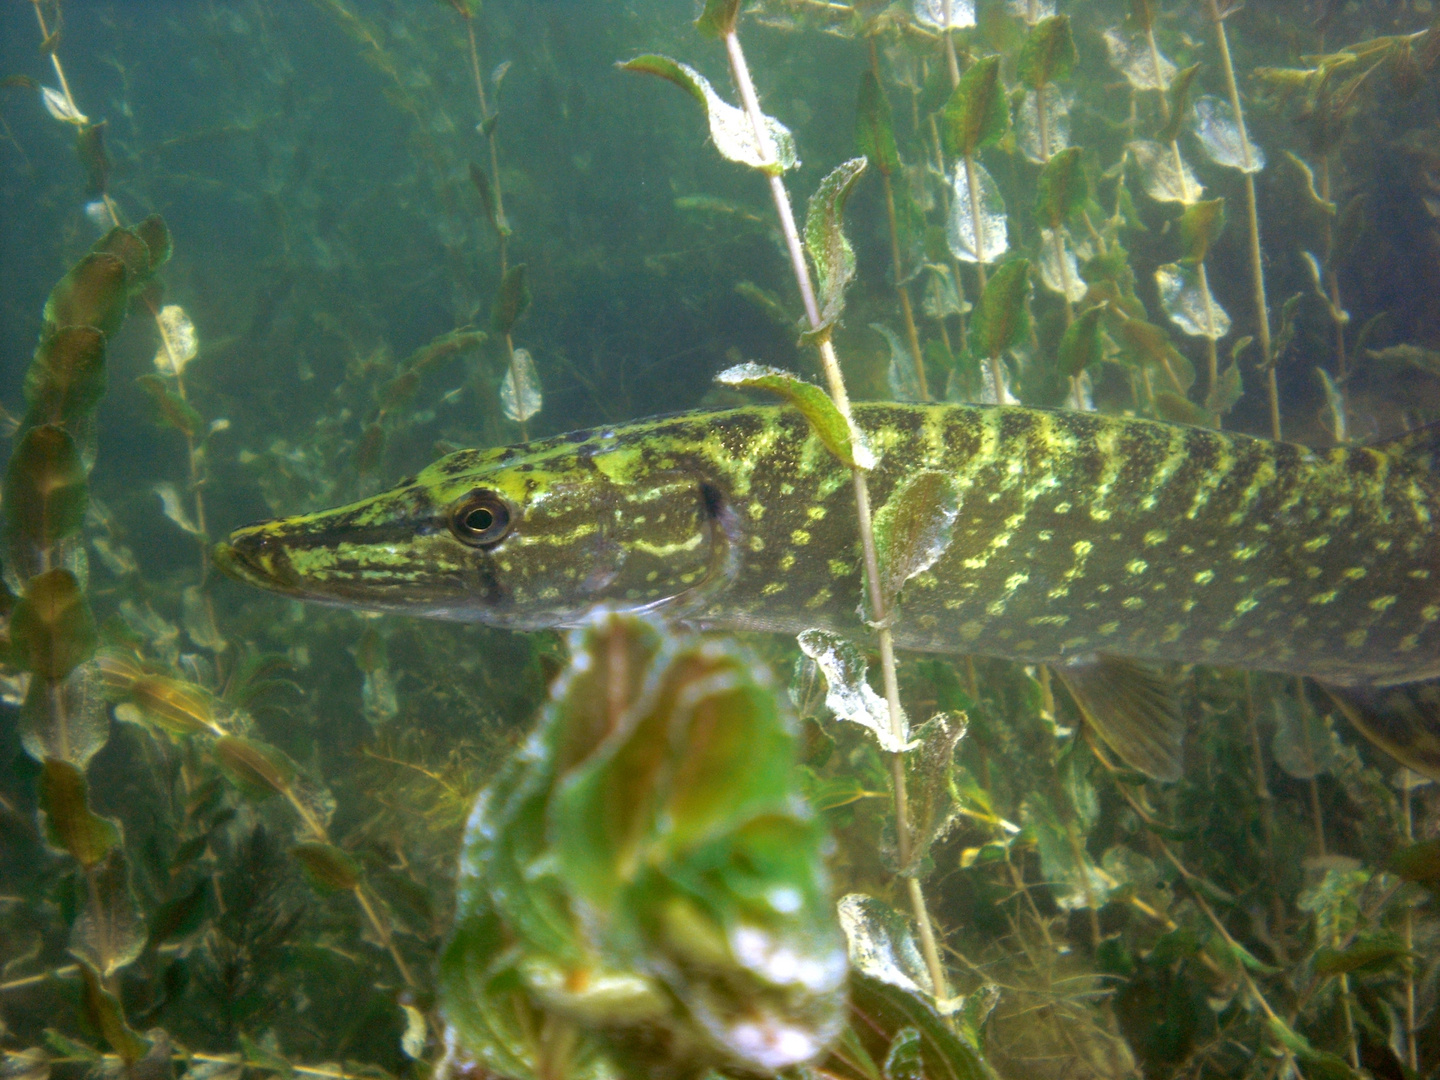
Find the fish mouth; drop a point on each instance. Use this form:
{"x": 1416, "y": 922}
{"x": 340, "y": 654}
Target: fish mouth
{"x": 252, "y": 556}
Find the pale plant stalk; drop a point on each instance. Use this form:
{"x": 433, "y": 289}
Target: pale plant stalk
{"x": 1408, "y": 930}
{"x": 1252, "y": 211}
{"x": 835, "y": 381}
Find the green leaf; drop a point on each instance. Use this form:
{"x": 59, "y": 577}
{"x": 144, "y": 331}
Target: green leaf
{"x": 156, "y": 236}
{"x": 107, "y": 1014}
{"x": 94, "y": 293}
{"x": 1146, "y": 345}
{"x": 45, "y": 494}
{"x": 730, "y": 128}
{"x": 169, "y": 409}
{"x": 327, "y": 867}
{"x": 906, "y": 1059}
{"x": 874, "y": 129}
{"x": 1179, "y": 410}
{"x": 1082, "y": 345}
{"x": 1048, "y": 54}
{"x": 842, "y": 439}
{"x": 481, "y": 179}
{"x": 881, "y": 1011}
{"x": 1062, "y": 188}
{"x": 108, "y": 933}
{"x": 1002, "y": 320}
{"x": 511, "y": 301}
{"x": 1372, "y": 955}
{"x": 1179, "y": 95}
{"x": 978, "y": 113}
{"x": 66, "y": 379}
{"x": 256, "y": 768}
{"x": 1200, "y": 226}
{"x": 825, "y": 240}
{"x": 1418, "y": 862}
{"x": 65, "y": 719}
{"x": 70, "y": 824}
{"x": 914, "y": 528}
{"x": 51, "y": 629}
{"x": 1224, "y": 395}
{"x": 719, "y": 17}
{"x": 177, "y": 919}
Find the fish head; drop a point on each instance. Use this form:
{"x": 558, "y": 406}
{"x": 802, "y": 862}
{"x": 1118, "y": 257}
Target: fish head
{"x": 524, "y": 537}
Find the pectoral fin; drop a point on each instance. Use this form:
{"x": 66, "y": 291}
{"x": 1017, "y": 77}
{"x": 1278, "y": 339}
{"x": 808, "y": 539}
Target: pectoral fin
{"x": 1133, "y": 708}
{"x": 1404, "y": 721}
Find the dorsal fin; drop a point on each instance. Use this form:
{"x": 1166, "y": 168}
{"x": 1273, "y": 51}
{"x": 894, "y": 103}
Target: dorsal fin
{"x": 1420, "y": 447}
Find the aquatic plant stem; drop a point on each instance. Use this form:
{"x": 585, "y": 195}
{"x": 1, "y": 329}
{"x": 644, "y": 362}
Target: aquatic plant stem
{"x": 835, "y": 381}
{"x": 500, "y": 220}
{"x": 1252, "y": 212}
{"x": 951, "y": 63}
{"x": 1408, "y": 929}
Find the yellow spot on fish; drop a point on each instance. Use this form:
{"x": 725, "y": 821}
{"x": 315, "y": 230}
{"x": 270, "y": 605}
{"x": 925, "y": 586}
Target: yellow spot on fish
{"x": 1062, "y": 508}
{"x": 1137, "y": 566}
{"x": 1317, "y": 543}
{"x": 1356, "y": 638}
{"x": 1355, "y": 573}
{"x": 1133, "y": 603}
{"x": 1108, "y": 628}
{"x": 1380, "y": 603}
{"x": 839, "y": 568}
{"x": 1172, "y": 632}
{"x": 1204, "y": 577}
{"x": 800, "y": 537}
{"x": 787, "y": 560}
{"x": 1430, "y": 613}
{"x": 1155, "y": 537}
{"x": 1419, "y": 575}
{"x": 1408, "y": 642}
{"x": 820, "y": 599}
{"x": 1247, "y": 605}
{"x": 774, "y": 588}
{"x": 1050, "y": 620}
{"x": 1325, "y": 597}
{"x": 971, "y": 630}
{"x": 815, "y": 513}
{"x": 757, "y": 543}
{"x": 756, "y": 510}
{"x": 1243, "y": 554}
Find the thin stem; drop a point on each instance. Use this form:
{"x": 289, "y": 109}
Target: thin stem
{"x": 1252, "y": 213}
{"x": 977, "y": 223}
{"x": 951, "y": 63}
{"x": 499, "y": 194}
{"x": 835, "y": 382}
{"x": 1408, "y": 932}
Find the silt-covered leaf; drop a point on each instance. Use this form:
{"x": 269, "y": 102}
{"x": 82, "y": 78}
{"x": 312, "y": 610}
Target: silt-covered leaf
{"x": 842, "y": 439}
{"x": 108, "y": 932}
{"x": 882, "y": 945}
{"x": 1185, "y": 296}
{"x": 1215, "y": 125}
{"x": 945, "y": 14}
{"x": 64, "y": 719}
{"x": 978, "y": 112}
{"x": 1059, "y": 267}
{"x": 1048, "y": 54}
{"x": 730, "y": 128}
{"x": 520, "y": 395}
{"x": 900, "y": 375}
{"x": 1305, "y": 743}
{"x": 1002, "y": 320}
{"x": 914, "y": 528}
{"x": 1166, "y": 176}
{"x": 874, "y": 129}
{"x": 1131, "y": 56}
{"x": 1039, "y": 142}
{"x": 993, "y": 238}
{"x": 1200, "y": 226}
{"x": 1082, "y": 344}
{"x": 178, "y": 342}
{"x": 1062, "y": 188}
{"x": 52, "y": 630}
{"x": 848, "y": 693}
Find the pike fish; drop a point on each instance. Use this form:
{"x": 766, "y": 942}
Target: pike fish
{"x": 1108, "y": 547}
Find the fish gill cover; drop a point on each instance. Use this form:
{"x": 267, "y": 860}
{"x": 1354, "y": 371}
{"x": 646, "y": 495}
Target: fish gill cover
{"x": 264, "y": 258}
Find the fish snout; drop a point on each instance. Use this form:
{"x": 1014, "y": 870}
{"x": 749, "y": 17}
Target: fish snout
{"x": 257, "y": 556}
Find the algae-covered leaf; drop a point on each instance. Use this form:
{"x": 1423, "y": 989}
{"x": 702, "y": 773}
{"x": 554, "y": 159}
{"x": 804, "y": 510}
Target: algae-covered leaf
{"x": 61, "y": 107}
{"x": 1146, "y": 345}
{"x": 1305, "y": 743}
{"x": 1002, "y": 320}
{"x": 718, "y": 18}
{"x": 914, "y": 528}
{"x": 1200, "y": 226}
{"x": 1048, "y": 54}
{"x": 66, "y": 719}
{"x": 929, "y": 773}
{"x": 1215, "y": 125}
{"x": 175, "y": 510}
{"x": 169, "y": 409}
{"x": 108, "y": 933}
{"x": 901, "y": 376}
{"x": 840, "y": 437}
{"x": 70, "y": 825}
{"x": 1164, "y": 173}
{"x": 1228, "y": 390}
{"x": 45, "y": 494}
{"x": 978, "y": 112}
{"x": 730, "y": 128}
{"x": 874, "y": 129}
{"x": 945, "y": 14}
{"x": 825, "y": 239}
{"x": 511, "y": 300}
{"x": 1131, "y": 55}
{"x": 520, "y": 394}
{"x": 256, "y": 768}
{"x": 993, "y": 237}
{"x": 1059, "y": 267}
{"x": 1185, "y": 296}
{"x": 1179, "y": 97}
{"x": 1082, "y": 344}
{"x": 881, "y": 1011}
{"x": 1369, "y": 954}
{"x": 1031, "y": 11}
{"x": 52, "y": 630}
{"x": 178, "y": 342}
{"x": 108, "y": 1015}
{"x": 881, "y": 943}
{"x": 1062, "y": 188}
{"x": 848, "y": 693}
{"x": 327, "y": 868}
{"x": 905, "y": 1061}
{"x": 94, "y": 293}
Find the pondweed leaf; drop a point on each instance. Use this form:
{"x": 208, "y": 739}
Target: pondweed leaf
{"x": 1031, "y": 11}
{"x": 842, "y": 439}
{"x": 945, "y": 14}
{"x": 61, "y": 107}
{"x": 511, "y": 300}
{"x": 730, "y": 128}
{"x": 1216, "y": 126}
{"x": 108, "y": 933}
{"x": 900, "y": 376}
{"x": 52, "y": 630}
{"x": 825, "y": 239}
{"x": 66, "y": 719}
{"x": 1062, "y": 188}
{"x": 257, "y": 769}
{"x": 1179, "y": 98}
{"x": 1041, "y": 137}
{"x": 520, "y": 395}
{"x": 66, "y": 380}
{"x": 1002, "y": 320}
{"x": 1048, "y": 54}
{"x": 1059, "y": 267}
{"x": 70, "y": 824}
{"x": 874, "y": 130}
{"x": 45, "y": 494}
{"x": 108, "y": 1015}
{"x": 94, "y": 293}
{"x": 881, "y": 944}
{"x": 1200, "y": 226}
{"x": 976, "y": 237}
{"x": 178, "y": 342}
{"x": 327, "y": 867}
{"x": 718, "y": 18}
{"x": 1164, "y": 174}
{"x": 848, "y": 693}
{"x": 1185, "y": 296}
{"x": 170, "y": 410}
{"x": 914, "y": 528}
{"x": 1131, "y": 55}
{"x": 978, "y": 112}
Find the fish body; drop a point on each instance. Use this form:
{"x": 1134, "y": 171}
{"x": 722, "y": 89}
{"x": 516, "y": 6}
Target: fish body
{"x": 1078, "y": 536}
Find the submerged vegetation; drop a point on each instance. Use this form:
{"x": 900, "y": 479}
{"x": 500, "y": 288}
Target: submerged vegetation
{"x": 231, "y": 827}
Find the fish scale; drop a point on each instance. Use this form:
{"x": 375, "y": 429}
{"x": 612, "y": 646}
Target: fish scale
{"x": 1079, "y": 536}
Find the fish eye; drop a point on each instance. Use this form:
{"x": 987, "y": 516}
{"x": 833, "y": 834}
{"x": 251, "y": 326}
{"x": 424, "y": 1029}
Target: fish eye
{"x": 481, "y": 519}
